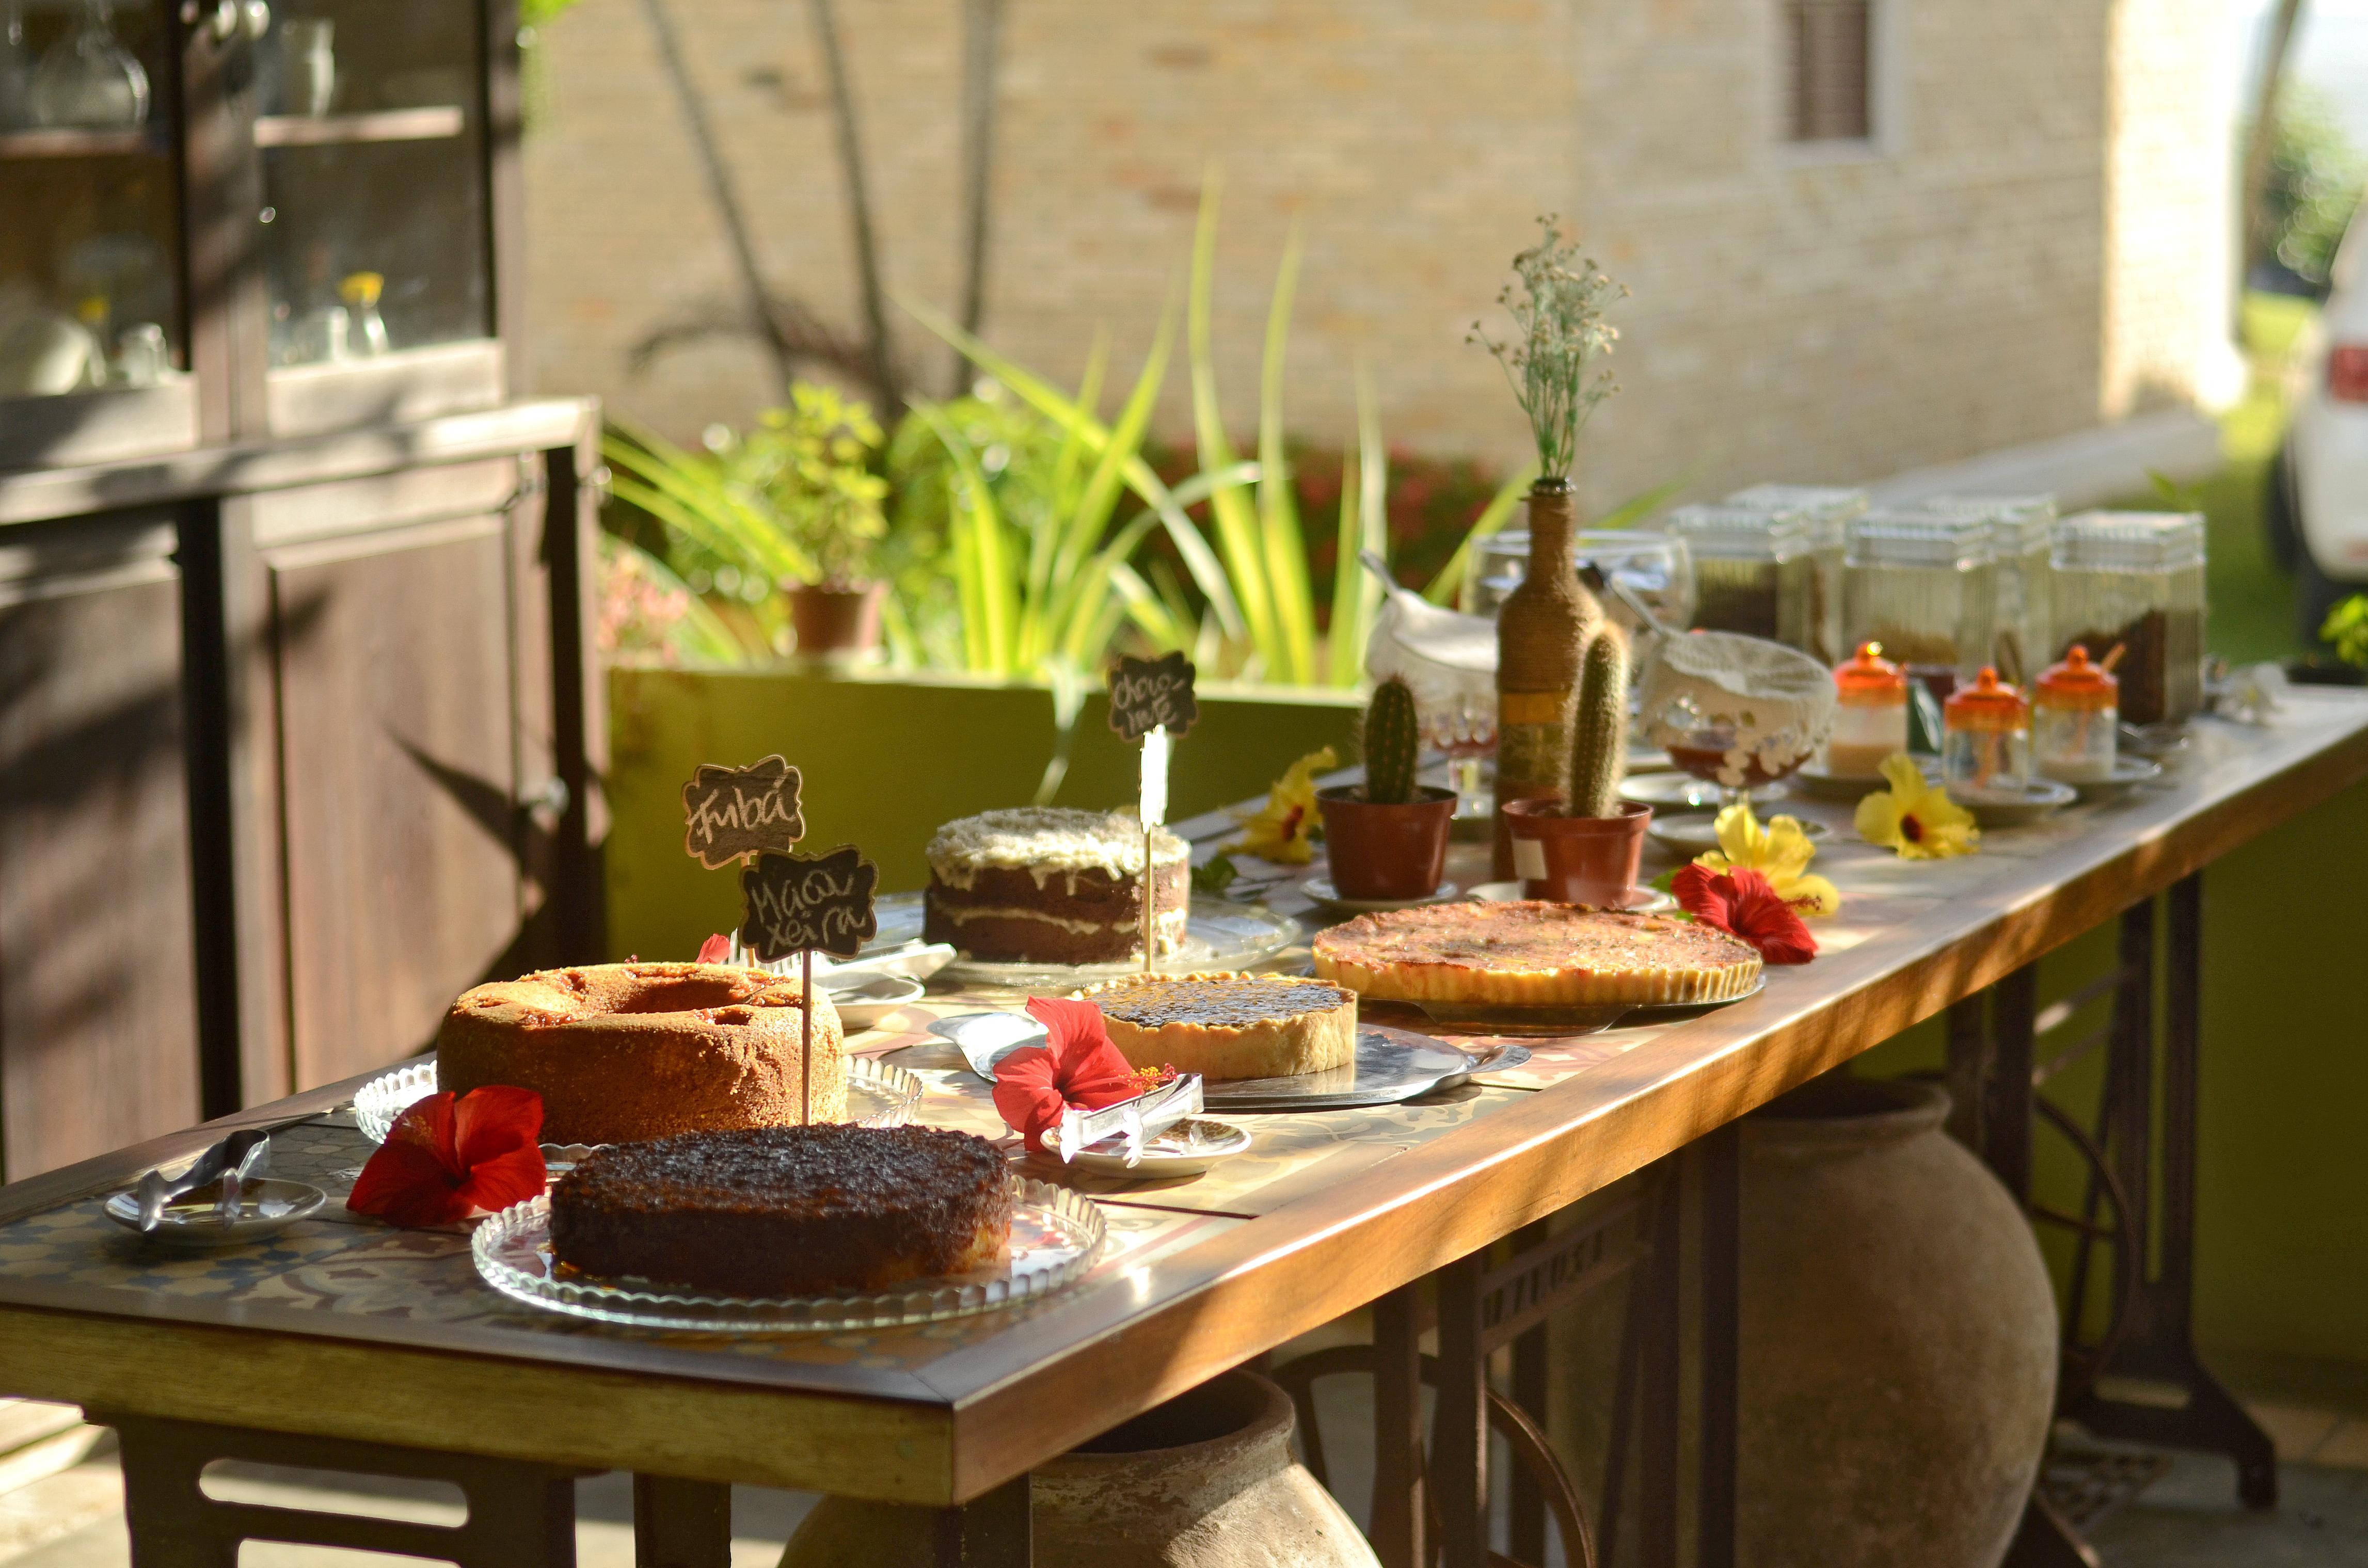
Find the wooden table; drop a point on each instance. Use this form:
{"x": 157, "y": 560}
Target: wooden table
{"x": 348, "y": 1330}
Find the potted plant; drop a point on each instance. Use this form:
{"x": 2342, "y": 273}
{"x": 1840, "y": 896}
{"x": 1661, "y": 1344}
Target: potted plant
{"x": 1387, "y": 837}
{"x": 1553, "y": 364}
{"x": 809, "y": 464}
{"x": 1584, "y": 848}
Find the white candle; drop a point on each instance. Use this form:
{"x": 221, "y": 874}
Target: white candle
{"x": 1154, "y": 777}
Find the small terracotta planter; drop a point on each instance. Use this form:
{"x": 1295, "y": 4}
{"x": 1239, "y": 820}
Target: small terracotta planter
{"x": 1386, "y": 852}
{"x": 1576, "y": 859}
{"x": 835, "y": 622}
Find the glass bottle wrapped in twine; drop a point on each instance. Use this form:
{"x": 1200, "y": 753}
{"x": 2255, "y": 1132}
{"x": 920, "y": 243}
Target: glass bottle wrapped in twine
{"x": 1541, "y": 636}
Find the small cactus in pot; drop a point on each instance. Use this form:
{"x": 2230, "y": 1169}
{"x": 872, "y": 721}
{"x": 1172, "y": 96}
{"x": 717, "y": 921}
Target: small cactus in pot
{"x": 1387, "y": 837}
{"x": 1599, "y": 724}
{"x": 1393, "y": 741}
{"x": 1585, "y": 848}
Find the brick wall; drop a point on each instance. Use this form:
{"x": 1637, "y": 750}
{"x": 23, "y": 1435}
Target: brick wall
{"x": 1958, "y": 286}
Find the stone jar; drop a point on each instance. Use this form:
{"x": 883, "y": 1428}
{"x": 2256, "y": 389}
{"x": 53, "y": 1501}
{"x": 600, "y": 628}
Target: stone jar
{"x": 1204, "y": 1481}
{"x": 1898, "y": 1337}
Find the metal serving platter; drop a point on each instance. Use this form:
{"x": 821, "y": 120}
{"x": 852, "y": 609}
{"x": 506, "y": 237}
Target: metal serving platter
{"x": 1217, "y": 934}
{"x": 1392, "y": 1065}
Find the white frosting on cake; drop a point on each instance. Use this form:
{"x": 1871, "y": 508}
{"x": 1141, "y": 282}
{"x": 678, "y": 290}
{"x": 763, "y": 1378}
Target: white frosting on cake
{"x": 1045, "y": 841}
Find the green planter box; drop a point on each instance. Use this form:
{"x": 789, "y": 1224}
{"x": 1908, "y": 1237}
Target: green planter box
{"x": 886, "y": 759}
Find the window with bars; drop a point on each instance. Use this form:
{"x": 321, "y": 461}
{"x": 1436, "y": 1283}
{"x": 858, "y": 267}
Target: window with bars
{"x": 1830, "y": 44}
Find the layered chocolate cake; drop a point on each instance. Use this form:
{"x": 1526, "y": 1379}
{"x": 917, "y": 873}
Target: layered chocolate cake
{"x": 786, "y": 1210}
{"x": 1045, "y": 884}
{"x": 626, "y": 1051}
{"x": 1225, "y": 1025}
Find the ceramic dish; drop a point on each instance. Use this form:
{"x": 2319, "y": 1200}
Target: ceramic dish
{"x": 1814, "y": 783}
{"x": 877, "y": 1095}
{"x": 2155, "y": 741}
{"x": 197, "y": 1221}
{"x": 1320, "y": 891}
{"x": 1673, "y": 794}
{"x": 862, "y": 1000}
{"x": 1639, "y": 901}
{"x": 1055, "y": 1237}
{"x": 2040, "y": 798}
{"x": 2129, "y": 772}
{"x": 1695, "y": 835}
{"x": 1186, "y": 1148}
{"x": 1217, "y": 934}
{"x": 1533, "y": 1021}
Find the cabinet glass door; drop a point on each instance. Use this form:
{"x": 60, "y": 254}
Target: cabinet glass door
{"x": 93, "y": 321}
{"x": 370, "y": 128}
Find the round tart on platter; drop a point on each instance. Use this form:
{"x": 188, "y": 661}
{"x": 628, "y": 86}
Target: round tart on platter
{"x": 1534, "y": 954}
{"x": 1224, "y": 1025}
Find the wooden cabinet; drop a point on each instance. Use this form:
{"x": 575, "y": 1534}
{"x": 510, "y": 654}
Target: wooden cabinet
{"x": 98, "y": 1028}
{"x": 300, "y": 732}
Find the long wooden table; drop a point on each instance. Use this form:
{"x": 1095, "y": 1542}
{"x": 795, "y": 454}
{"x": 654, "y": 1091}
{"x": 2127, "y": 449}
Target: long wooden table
{"x": 345, "y": 1329}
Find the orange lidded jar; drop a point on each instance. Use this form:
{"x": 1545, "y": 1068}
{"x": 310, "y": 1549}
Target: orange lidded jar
{"x": 1985, "y": 740}
{"x": 1870, "y": 714}
{"x": 2076, "y": 711}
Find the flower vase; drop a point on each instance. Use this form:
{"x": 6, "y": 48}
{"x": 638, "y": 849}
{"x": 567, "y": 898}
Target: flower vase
{"x": 1539, "y": 647}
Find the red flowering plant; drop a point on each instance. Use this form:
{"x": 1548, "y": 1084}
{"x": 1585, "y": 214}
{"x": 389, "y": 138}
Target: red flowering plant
{"x": 1076, "y": 1065}
{"x": 1742, "y": 903}
{"x": 452, "y": 1157}
{"x": 715, "y": 949}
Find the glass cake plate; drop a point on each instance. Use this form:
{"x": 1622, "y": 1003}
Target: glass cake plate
{"x": 1055, "y": 1237}
{"x": 1217, "y": 934}
{"x": 877, "y": 1095}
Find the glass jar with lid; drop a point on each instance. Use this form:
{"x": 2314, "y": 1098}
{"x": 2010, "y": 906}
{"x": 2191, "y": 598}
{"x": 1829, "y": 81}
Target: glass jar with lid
{"x": 1923, "y": 584}
{"x": 1754, "y": 572}
{"x": 1654, "y": 569}
{"x": 1830, "y": 509}
{"x": 2073, "y": 715}
{"x": 1870, "y": 714}
{"x": 1985, "y": 740}
{"x": 2022, "y": 537}
{"x": 2134, "y": 580}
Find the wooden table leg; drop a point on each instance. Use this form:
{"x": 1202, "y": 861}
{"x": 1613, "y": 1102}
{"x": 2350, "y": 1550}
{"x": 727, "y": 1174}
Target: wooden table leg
{"x": 1398, "y": 1531}
{"x": 992, "y": 1531}
{"x": 1460, "y": 1419}
{"x": 1526, "y": 1535}
{"x": 1720, "y": 1163}
{"x": 1659, "y": 1383}
{"x": 682, "y": 1524}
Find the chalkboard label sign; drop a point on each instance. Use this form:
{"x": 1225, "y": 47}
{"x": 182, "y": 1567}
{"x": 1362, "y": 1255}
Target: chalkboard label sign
{"x": 808, "y": 903}
{"x": 733, "y": 812}
{"x": 1147, "y": 693}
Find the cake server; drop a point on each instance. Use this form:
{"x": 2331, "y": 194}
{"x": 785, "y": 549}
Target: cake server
{"x": 243, "y": 1153}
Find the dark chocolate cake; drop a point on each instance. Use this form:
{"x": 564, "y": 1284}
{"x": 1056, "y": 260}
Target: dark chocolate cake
{"x": 785, "y": 1211}
{"x": 1046, "y": 884}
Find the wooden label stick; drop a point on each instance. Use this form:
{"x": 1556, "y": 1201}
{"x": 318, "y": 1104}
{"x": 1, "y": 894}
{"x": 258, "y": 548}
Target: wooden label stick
{"x": 805, "y": 1037}
{"x": 1153, "y": 808}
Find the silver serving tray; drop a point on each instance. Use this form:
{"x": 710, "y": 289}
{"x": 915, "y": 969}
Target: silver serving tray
{"x": 1217, "y": 934}
{"x": 1481, "y": 1018}
{"x": 1392, "y": 1064}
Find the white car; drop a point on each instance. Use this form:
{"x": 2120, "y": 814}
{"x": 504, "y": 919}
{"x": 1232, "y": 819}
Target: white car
{"x": 2318, "y": 491}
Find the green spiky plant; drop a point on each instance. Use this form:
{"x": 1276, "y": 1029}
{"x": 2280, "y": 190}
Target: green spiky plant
{"x": 1599, "y": 724}
{"x": 1393, "y": 741}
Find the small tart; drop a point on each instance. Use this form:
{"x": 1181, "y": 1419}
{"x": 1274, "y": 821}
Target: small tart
{"x": 1534, "y": 954}
{"x": 1225, "y": 1025}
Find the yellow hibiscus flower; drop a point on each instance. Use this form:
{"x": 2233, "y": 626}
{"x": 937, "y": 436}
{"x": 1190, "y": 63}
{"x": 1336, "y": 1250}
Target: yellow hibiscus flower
{"x": 1780, "y": 852}
{"x": 1914, "y": 817}
{"x": 1283, "y": 829}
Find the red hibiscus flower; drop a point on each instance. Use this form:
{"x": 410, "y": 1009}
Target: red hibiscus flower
{"x": 715, "y": 949}
{"x": 1741, "y": 903}
{"x": 450, "y": 1157}
{"x": 1076, "y": 1065}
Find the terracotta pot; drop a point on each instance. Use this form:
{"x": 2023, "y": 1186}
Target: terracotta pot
{"x": 1204, "y": 1481}
{"x": 1576, "y": 859}
{"x": 1898, "y": 1350}
{"x": 835, "y": 622}
{"x": 1386, "y": 851}
{"x": 1900, "y": 1336}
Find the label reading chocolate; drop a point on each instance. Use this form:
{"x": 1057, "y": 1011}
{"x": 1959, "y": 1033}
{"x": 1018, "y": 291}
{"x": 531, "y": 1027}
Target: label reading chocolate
{"x": 793, "y": 903}
{"x": 734, "y": 811}
{"x": 1145, "y": 694}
